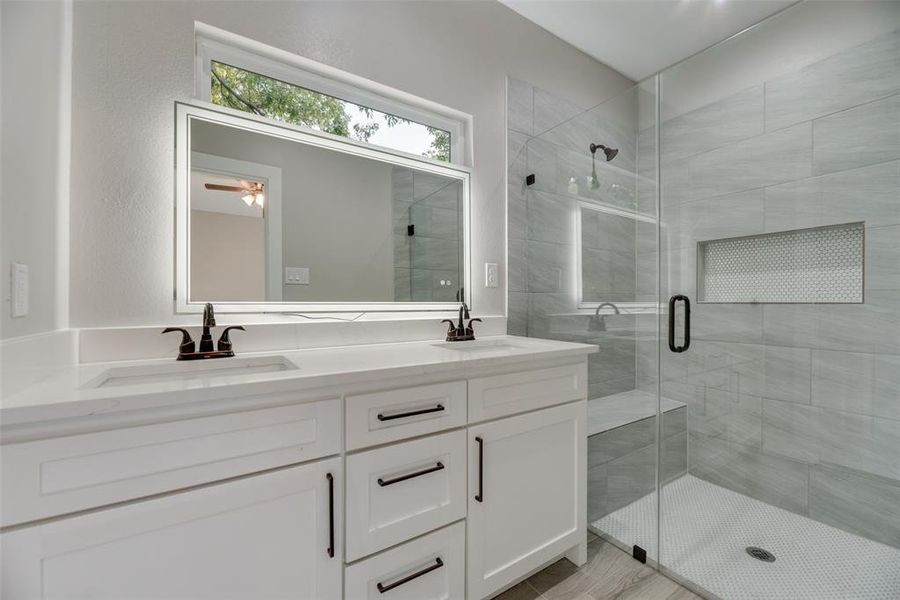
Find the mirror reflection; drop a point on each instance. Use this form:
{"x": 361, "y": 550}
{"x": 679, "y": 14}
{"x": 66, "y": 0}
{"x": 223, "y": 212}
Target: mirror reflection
{"x": 278, "y": 220}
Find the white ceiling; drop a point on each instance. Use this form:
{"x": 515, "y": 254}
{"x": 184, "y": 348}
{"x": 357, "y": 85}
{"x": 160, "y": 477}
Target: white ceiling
{"x": 641, "y": 37}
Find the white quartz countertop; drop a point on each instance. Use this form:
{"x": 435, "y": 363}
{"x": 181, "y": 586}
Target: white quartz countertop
{"x": 73, "y": 393}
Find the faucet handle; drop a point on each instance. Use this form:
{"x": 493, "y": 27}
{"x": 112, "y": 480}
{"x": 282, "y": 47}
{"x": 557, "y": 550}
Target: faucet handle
{"x": 452, "y": 327}
{"x": 469, "y": 329}
{"x": 187, "y": 344}
{"x": 224, "y": 343}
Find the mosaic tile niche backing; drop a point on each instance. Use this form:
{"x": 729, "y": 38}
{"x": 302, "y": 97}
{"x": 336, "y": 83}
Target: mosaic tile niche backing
{"x": 818, "y": 265}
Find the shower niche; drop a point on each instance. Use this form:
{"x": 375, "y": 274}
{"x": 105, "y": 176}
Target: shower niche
{"x": 818, "y": 265}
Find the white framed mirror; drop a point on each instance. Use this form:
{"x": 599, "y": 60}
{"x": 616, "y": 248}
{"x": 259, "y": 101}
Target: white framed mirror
{"x": 272, "y": 217}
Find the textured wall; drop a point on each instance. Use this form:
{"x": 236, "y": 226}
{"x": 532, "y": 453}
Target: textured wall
{"x": 36, "y": 48}
{"x": 127, "y": 75}
{"x": 793, "y": 404}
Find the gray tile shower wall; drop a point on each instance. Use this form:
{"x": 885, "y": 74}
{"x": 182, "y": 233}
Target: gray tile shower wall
{"x": 549, "y": 137}
{"x": 622, "y": 461}
{"x": 797, "y": 405}
{"x": 426, "y": 264}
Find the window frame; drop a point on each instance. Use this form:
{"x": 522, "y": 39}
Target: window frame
{"x": 213, "y": 44}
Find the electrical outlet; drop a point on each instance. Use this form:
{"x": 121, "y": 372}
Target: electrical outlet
{"x": 19, "y": 289}
{"x": 491, "y": 275}
{"x": 296, "y": 275}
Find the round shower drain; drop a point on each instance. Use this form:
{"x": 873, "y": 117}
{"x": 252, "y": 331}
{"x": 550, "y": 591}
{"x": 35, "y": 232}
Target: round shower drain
{"x": 760, "y": 554}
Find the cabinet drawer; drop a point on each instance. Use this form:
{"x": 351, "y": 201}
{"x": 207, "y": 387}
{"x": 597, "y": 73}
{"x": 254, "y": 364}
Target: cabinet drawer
{"x": 60, "y": 475}
{"x": 429, "y": 568}
{"x": 393, "y": 415}
{"x": 502, "y": 395}
{"x": 405, "y": 490}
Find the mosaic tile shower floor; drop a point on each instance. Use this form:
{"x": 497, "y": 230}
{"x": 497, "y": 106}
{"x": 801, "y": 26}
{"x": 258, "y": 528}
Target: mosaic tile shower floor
{"x": 706, "y": 529}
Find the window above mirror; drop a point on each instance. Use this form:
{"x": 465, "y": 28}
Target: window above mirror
{"x": 246, "y": 75}
{"x": 268, "y": 97}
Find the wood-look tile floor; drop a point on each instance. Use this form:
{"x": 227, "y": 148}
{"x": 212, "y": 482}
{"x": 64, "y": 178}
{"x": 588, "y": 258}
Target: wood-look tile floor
{"x": 609, "y": 573}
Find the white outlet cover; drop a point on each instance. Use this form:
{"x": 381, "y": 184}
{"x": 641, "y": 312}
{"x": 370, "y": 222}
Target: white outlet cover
{"x": 296, "y": 275}
{"x": 19, "y": 289}
{"x": 491, "y": 275}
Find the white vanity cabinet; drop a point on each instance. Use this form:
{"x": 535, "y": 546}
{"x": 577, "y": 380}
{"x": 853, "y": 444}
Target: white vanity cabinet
{"x": 526, "y": 494}
{"x": 274, "y": 535}
{"x": 445, "y": 483}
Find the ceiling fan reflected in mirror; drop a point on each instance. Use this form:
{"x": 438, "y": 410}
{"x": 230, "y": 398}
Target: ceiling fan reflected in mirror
{"x": 252, "y": 191}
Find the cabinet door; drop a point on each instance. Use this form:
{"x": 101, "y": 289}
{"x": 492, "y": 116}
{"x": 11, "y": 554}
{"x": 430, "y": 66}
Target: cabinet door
{"x": 275, "y": 535}
{"x": 526, "y": 494}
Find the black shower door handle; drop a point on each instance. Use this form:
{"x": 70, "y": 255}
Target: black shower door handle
{"x": 687, "y": 323}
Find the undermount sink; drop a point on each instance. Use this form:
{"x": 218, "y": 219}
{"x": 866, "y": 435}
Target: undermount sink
{"x": 476, "y": 346}
{"x": 190, "y": 370}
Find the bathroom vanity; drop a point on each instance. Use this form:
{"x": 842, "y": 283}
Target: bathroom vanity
{"x": 414, "y": 470}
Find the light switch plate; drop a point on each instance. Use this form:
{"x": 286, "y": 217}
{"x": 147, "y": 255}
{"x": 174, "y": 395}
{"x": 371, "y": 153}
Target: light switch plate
{"x": 491, "y": 275}
{"x": 296, "y": 275}
{"x": 19, "y": 289}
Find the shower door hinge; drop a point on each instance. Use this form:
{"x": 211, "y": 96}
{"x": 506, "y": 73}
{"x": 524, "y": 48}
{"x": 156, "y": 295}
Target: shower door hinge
{"x": 529, "y": 179}
{"x": 410, "y": 230}
{"x": 639, "y": 554}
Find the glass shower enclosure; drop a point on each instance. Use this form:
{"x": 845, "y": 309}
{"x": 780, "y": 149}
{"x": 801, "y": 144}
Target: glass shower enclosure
{"x": 737, "y": 262}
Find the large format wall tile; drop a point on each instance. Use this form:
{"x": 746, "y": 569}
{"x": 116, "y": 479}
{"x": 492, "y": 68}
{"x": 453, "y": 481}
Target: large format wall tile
{"x": 764, "y": 160}
{"x": 607, "y": 387}
{"x": 870, "y": 327}
{"x": 541, "y": 305}
{"x": 519, "y": 106}
{"x": 791, "y": 430}
{"x": 727, "y": 322}
{"x": 613, "y": 360}
{"x": 866, "y": 194}
{"x": 517, "y": 212}
{"x": 607, "y": 276}
{"x": 517, "y": 314}
{"x": 748, "y": 471}
{"x": 814, "y": 435}
{"x": 787, "y": 374}
{"x": 550, "y": 267}
{"x": 729, "y": 416}
{"x": 849, "y": 78}
{"x": 517, "y": 269}
{"x": 551, "y": 110}
{"x": 882, "y": 265}
{"x": 728, "y": 216}
{"x": 723, "y": 122}
{"x": 864, "y": 505}
{"x": 867, "y": 384}
{"x": 606, "y": 231}
{"x": 860, "y": 136}
{"x": 551, "y": 218}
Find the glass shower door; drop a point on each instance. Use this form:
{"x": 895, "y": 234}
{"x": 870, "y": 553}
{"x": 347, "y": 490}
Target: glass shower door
{"x": 780, "y": 313}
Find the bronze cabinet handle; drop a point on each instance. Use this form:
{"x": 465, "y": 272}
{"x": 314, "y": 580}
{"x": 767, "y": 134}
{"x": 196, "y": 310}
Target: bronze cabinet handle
{"x": 439, "y": 466}
{"x": 382, "y": 588}
{"x": 412, "y": 413}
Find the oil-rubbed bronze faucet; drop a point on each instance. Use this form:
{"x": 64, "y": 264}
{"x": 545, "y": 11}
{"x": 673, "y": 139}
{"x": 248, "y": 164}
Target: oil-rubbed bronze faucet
{"x": 461, "y": 332}
{"x": 223, "y": 347}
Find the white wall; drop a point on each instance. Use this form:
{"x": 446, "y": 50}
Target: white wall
{"x": 133, "y": 59}
{"x": 36, "y": 50}
{"x": 228, "y": 263}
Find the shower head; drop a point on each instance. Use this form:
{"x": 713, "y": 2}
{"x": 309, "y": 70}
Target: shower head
{"x": 609, "y": 152}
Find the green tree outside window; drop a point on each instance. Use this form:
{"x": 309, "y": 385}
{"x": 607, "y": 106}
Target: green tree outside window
{"x": 252, "y": 92}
